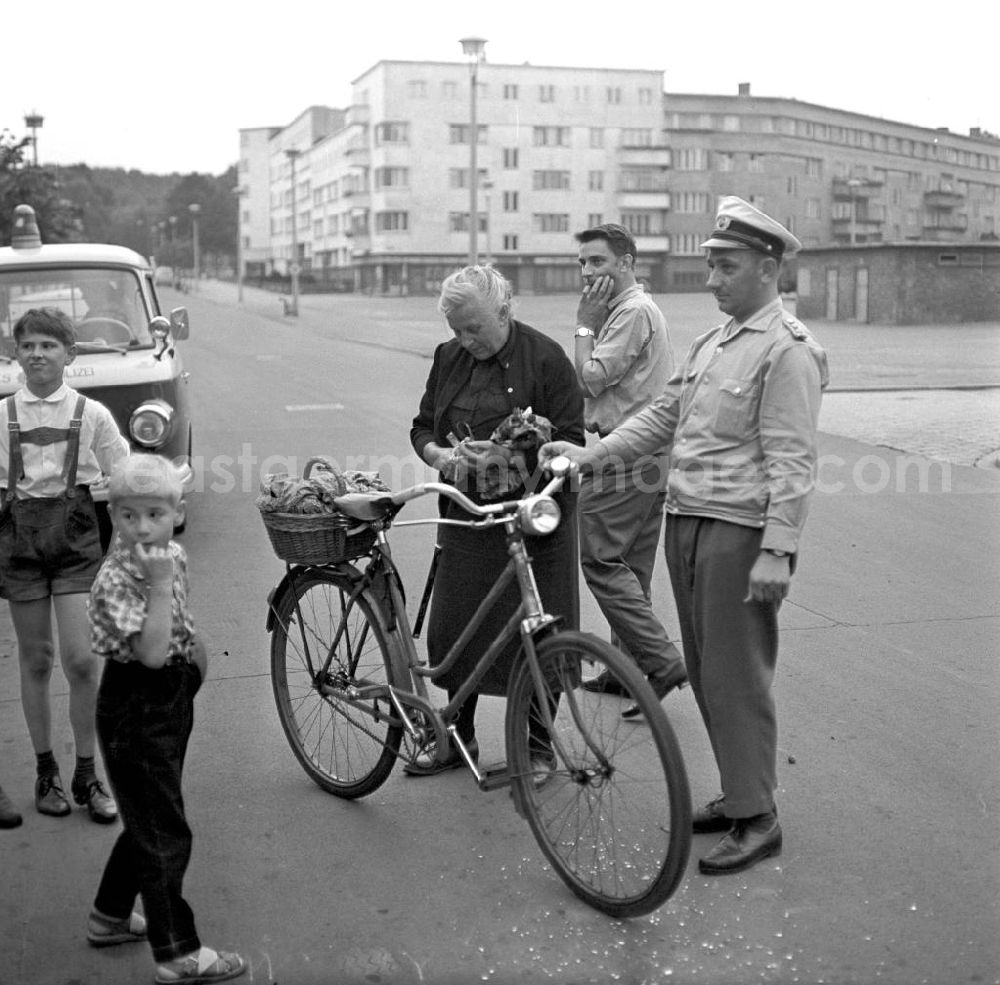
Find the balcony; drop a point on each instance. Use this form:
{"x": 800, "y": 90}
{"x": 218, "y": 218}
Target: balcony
{"x": 945, "y": 223}
{"x": 943, "y": 199}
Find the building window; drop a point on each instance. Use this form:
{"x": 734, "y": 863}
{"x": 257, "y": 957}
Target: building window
{"x": 509, "y": 91}
{"x": 550, "y": 180}
{"x": 392, "y": 177}
{"x": 510, "y": 202}
{"x": 637, "y": 137}
{"x": 417, "y": 89}
{"x": 392, "y": 133}
{"x": 814, "y": 167}
{"x": 756, "y": 163}
{"x": 648, "y": 223}
{"x": 614, "y": 95}
{"x": 688, "y": 244}
{"x": 642, "y": 180}
{"x": 546, "y": 94}
{"x": 812, "y": 208}
{"x": 595, "y": 181}
{"x": 550, "y": 136}
{"x": 793, "y": 184}
{"x": 510, "y": 242}
{"x": 449, "y": 90}
{"x": 730, "y": 123}
{"x": 691, "y": 203}
{"x": 645, "y": 96}
{"x": 724, "y": 161}
{"x": 596, "y": 137}
{"x": 595, "y": 219}
{"x": 581, "y": 94}
{"x": 551, "y": 222}
{"x": 458, "y": 133}
{"x": 458, "y": 222}
{"x": 510, "y": 158}
{"x": 691, "y": 159}
{"x": 391, "y": 222}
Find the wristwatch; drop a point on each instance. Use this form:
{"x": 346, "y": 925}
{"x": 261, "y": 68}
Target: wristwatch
{"x": 582, "y": 332}
{"x": 775, "y": 553}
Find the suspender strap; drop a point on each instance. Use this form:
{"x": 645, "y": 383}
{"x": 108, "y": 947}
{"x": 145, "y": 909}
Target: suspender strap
{"x": 73, "y": 447}
{"x": 15, "y": 467}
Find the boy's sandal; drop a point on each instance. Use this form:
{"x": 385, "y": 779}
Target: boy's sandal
{"x": 103, "y": 932}
{"x": 190, "y": 971}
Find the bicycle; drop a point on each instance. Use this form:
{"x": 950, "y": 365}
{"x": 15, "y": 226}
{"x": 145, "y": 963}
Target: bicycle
{"x": 607, "y": 800}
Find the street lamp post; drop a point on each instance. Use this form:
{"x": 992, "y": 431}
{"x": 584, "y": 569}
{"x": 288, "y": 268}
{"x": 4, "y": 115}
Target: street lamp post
{"x": 473, "y": 49}
{"x": 239, "y": 192}
{"x": 172, "y": 225}
{"x": 194, "y": 208}
{"x": 33, "y": 121}
{"x": 291, "y": 153}
{"x": 487, "y": 189}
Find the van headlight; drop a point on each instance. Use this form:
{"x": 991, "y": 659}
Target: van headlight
{"x": 539, "y": 515}
{"x": 149, "y": 424}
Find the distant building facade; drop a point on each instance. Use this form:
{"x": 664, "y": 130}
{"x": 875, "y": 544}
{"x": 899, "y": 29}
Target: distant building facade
{"x": 381, "y": 192}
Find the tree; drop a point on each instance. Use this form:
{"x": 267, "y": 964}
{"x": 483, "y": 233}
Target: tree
{"x": 59, "y": 219}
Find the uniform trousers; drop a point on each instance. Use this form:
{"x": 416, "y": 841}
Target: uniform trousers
{"x": 731, "y": 649}
{"x": 621, "y": 516}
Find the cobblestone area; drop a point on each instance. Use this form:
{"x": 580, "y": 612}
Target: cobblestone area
{"x": 957, "y": 426}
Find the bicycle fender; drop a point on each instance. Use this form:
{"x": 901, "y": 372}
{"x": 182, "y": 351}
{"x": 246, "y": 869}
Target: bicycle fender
{"x": 284, "y": 587}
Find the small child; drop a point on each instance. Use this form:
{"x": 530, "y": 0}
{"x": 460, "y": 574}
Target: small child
{"x": 154, "y": 666}
{"x": 54, "y": 444}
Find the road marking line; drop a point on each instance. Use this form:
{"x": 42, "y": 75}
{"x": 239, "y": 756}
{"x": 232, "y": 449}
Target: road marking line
{"x": 294, "y": 408}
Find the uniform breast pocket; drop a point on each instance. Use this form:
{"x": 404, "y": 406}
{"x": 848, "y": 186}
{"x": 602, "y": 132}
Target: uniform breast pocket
{"x": 736, "y": 413}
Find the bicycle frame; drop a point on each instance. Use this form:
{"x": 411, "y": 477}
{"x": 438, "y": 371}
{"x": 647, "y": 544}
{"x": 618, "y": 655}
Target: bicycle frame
{"x": 528, "y": 621}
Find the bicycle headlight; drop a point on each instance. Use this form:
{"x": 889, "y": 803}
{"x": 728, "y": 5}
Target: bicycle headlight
{"x": 539, "y": 515}
{"x": 150, "y": 423}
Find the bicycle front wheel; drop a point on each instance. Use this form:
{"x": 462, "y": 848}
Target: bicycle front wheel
{"x": 607, "y": 800}
{"x": 331, "y": 660}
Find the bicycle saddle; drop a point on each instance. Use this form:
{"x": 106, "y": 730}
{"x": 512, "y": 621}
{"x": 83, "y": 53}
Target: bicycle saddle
{"x": 365, "y": 506}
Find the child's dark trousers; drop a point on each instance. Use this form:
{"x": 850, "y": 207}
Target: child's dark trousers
{"x": 144, "y": 719}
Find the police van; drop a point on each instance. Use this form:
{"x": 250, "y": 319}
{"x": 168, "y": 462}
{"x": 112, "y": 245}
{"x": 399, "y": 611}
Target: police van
{"x": 127, "y": 352}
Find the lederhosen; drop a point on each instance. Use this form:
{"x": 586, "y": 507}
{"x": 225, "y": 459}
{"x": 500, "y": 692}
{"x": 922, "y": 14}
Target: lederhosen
{"x": 53, "y": 532}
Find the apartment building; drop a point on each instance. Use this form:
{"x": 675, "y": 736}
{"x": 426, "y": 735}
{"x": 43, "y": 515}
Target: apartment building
{"x": 376, "y": 197}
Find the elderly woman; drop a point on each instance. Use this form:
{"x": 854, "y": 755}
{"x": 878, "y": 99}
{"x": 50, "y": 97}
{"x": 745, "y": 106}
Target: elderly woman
{"x": 493, "y": 365}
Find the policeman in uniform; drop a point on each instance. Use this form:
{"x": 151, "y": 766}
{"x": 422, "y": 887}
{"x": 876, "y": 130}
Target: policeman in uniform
{"x": 740, "y": 416}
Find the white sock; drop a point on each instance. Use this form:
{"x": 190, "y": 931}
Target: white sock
{"x": 204, "y": 959}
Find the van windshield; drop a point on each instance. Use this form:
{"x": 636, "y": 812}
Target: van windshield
{"x": 107, "y": 304}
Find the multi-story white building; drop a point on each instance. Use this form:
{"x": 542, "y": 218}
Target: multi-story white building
{"x": 381, "y": 197}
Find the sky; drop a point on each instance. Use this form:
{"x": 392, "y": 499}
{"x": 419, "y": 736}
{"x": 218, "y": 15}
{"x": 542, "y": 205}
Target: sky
{"x": 165, "y": 87}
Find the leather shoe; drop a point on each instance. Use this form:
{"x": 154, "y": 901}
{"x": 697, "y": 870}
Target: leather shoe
{"x": 543, "y": 768}
{"x": 10, "y": 817}
{"x": 99, "y": 803}
{"x": 662, "y": 685}
{"x": 426, "y": 763}
{"x": 710, "y": 818}
{"x": 750, "y": 840}
{"x": 50, "y": 798}
{"x": 604, "y": 683}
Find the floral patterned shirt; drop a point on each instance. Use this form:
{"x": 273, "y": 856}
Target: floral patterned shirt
{"x": 118, "y": 602}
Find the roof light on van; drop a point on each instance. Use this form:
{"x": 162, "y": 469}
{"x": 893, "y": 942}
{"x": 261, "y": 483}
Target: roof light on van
{"x": 25, "y": 234}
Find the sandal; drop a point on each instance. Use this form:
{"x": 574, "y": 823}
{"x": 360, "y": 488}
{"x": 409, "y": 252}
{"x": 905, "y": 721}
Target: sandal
{"x": 198, "y": 969}
{"x": 102, "y": 931}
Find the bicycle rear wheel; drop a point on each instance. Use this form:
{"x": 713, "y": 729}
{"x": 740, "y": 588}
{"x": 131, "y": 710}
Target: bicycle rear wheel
{"x": 346, "y": 741}
{"x": 610, "y": 807}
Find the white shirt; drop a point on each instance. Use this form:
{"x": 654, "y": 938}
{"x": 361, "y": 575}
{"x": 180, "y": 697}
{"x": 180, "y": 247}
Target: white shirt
{"x": 101, "y": 443}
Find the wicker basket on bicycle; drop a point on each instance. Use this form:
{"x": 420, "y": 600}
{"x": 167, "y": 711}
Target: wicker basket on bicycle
{"x": 301, "y": 518}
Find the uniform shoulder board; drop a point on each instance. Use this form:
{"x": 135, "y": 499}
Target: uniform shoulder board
{"x": 795, "y": 328}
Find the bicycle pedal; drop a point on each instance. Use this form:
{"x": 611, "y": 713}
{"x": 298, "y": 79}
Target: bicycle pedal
{"x": 494, "y": 777}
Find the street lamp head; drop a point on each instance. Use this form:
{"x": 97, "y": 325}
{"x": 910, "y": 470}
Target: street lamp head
{"x": 33, "y": 120}
{"x": 473, "y": 48}
{"x": 292, "y": 152}
{"x": 194, "y": 208}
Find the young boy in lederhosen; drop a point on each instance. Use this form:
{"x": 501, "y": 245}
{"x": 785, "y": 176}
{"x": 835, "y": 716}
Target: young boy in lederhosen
{"x": 54, "y": 443}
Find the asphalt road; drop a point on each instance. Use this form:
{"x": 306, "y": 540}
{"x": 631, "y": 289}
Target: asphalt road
{"x": 887, "y": 687}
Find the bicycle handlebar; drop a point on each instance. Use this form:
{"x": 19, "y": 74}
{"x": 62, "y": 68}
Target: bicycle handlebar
{"x": 374, "y": 506}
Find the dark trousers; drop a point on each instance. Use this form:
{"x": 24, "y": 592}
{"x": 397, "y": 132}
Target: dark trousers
{"x": 144, "y": 719}
{"x": 731, "y": 649}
